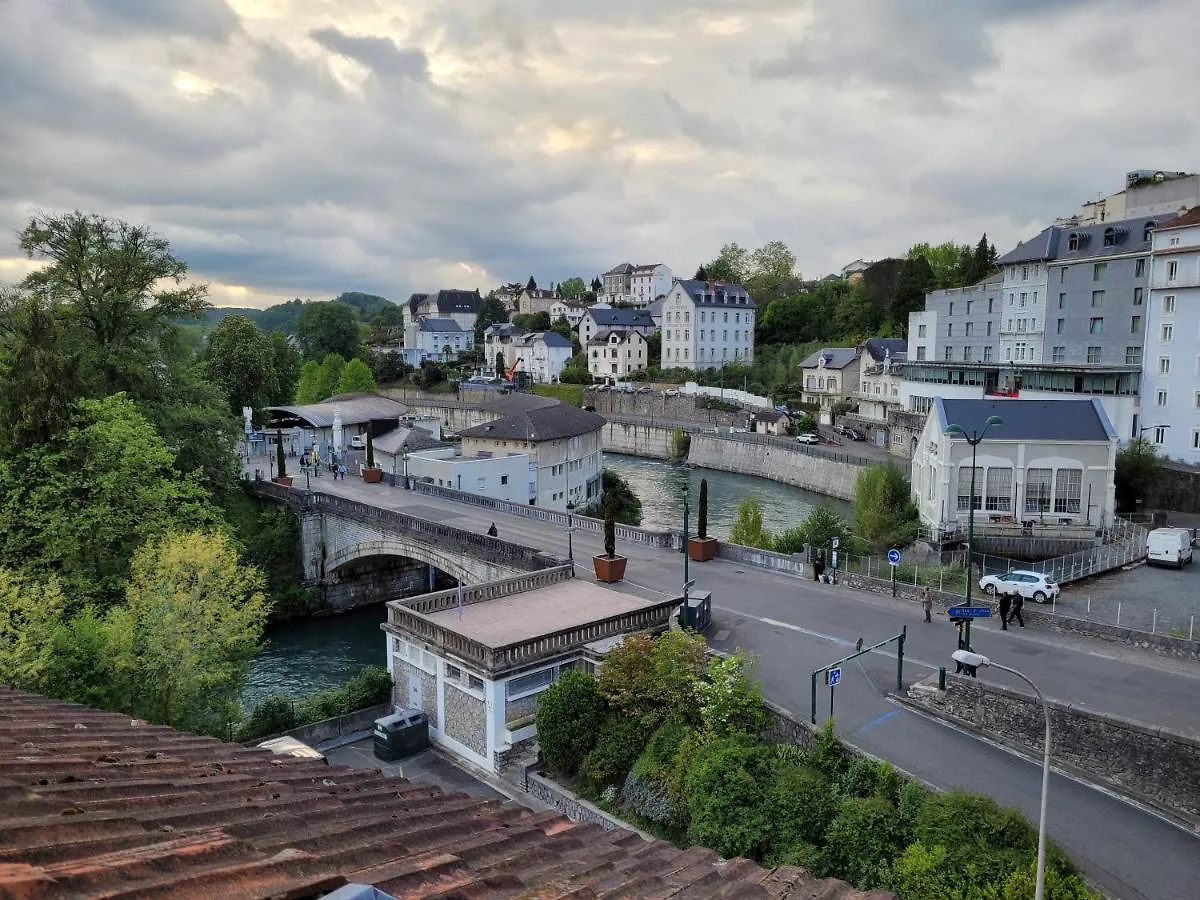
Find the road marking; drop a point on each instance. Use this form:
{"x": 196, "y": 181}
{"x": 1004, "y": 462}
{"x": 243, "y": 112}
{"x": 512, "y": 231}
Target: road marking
{"x": 878, "y": 720}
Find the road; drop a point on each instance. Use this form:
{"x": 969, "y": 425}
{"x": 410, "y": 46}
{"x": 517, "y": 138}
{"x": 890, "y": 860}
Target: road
{"x": 796, "y": 626}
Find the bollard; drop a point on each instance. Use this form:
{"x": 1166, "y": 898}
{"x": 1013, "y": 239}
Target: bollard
{"x": 1089, "y": 608}
{"x": 1191, "y": 626}
{"x": 1154, "y": 622}
{"x": 1118, "y": 612}
{"x": 941, "y": 678}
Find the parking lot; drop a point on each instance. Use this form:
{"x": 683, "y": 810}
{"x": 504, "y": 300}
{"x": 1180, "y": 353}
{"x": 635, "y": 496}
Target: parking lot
{"x": 1165, "y": 600}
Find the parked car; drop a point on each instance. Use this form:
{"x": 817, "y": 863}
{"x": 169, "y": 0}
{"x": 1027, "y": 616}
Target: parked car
{"x": 645, "y": 390}
{"x": 600, "y": 388}
{"x": 357, "y": 443}
{"x": 1169, "y": 547}
{"x": 841, "y": 429}
{"x": 1031, "y": 585}
{"x": 671, "y": 393}
{"x": 855, "y": 435}
{"x": 807, "y": 439}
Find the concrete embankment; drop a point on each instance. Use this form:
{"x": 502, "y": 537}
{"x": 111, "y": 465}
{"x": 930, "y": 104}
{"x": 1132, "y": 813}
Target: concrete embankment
{"x": 649, "y": 441}
{"x": 776, "y": 461}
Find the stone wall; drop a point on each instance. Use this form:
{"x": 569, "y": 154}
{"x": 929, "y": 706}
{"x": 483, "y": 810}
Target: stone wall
{"x": 466, "y": 720}
{"x": 339, "y": 726}
{"x": 657, "y": 405}
{"x": 650, "y": 441}
{"x": 381, "y": 578}
{"x": 1147, "y": 762}
{"x": 1179, "y": 490}
{"x": 401, "y": 669}
{"x": 515, "y": 710}
{"x": 790, "y": 563}
{"x": 573, "y": 807}
{"x": 776, "y": 460}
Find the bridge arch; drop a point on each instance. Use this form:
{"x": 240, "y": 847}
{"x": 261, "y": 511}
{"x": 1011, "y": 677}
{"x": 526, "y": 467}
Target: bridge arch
{"x": 457, "y": 565}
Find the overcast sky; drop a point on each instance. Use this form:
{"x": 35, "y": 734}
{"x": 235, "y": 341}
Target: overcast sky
{"x": 306, "y": 147}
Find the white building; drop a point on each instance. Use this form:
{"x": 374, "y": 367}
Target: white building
{"x": 706, "y": 325}
{"x": 437, "y": 339}
{"x": 571, "y": 310}
{"x": 563, "y": 446}
{"x": 648, "y": 283}
{"x": 598, "y": 319}
{"x": 616, "y": 284}
{"x": 499, "y": 477}
{"x": 543, "y": 355}
{"x": 1050, "y": 460}
{"x": 461, "y": 306}
{"x": 880, "y": 375}
{"x": 616, "y": 354}
{"x": 854, "y": 271}
{"x": 830, "y": 375}
{"x": 1171, "y": 363}
{"x": 501, "y": 338}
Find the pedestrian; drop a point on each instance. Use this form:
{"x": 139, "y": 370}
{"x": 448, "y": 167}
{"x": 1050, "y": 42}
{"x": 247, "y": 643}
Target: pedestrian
{"x": 1005, "y": 607}
{"x": 926, "y": 603}
{"x": 818, "y": 565}
{"x": 342, "y": 471}
{"x": 492, "y": 532}
{"x": 1018, "y": 602}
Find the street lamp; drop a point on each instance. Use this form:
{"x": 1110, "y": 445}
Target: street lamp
{"x": 685, "y": 618}
{"x": 967, "y": 658}
{"x": 974, "y": 439}
{"x": 404, "y": 456}
{"x": 571, "y": 531}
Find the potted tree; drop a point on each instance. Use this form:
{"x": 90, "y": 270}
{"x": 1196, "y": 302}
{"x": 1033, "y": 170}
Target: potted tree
{"x": 610, "y": 568}
{"x": 702, "y": 548}
{"x": 281, "y": 476}
{"x": 371, "y": 472}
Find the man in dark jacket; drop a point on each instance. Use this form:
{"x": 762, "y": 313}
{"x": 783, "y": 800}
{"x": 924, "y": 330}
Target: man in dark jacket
{"x": 1005, "y": 606}
{"x": 1017, "y": 603}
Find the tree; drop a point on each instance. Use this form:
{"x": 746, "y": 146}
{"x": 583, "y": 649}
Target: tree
{"x": 650, "y": 680}
{"x": 1138, "y": 474}
{"x": 568, "y": 720}
{"x": 732, "y": 264}
{"x": 539, "y": 321}
{"x": 241, "y": 360}
{"x": 597, "y": 285}
{"x": 818, "y": 530}
{"x": 701, "y": 273}
{"x": 308, "y": 385}
{"x": 654, "y": 350}
{"x": 884, "y": 513}
{"x": 501, "y": 369}
{"x": 702, "y": 511}
{"x": 531, "y": 285}
{"x": 491, "y": 312}
{"x": 748, "y": 528}
{"x": 861, "y": 838}
{"x": 285, "y": 360}
{"x": 839, "y": 409}
{"x": 572, "y": 288}
{"x": 356, "y": 378}
{"x": 191, "y": 623}
{"x": 626, "y": 506}
{"x": 280, "y": 456}
{"x": 855, "y": 318}
{"x": 727, "y": 787}
{"x": 328, "y": 327}
{"x": 329, "y": 375}
{"x": 771, "y": 274}
{"x": 911, "y": 286}
{"x": 729, "y": 697}
{"x": 386, "y": 366}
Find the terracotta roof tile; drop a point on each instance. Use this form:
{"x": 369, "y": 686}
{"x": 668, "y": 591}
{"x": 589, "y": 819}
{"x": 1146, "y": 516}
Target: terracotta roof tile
{"x": 93, "y": 804}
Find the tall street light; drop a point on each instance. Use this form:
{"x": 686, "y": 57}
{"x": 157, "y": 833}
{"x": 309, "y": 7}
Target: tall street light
{"x": 967, "y": 658}
{"x": 685, "y": 616}
{"x": 974, "y": 439}
{"x": 571, "y": 531}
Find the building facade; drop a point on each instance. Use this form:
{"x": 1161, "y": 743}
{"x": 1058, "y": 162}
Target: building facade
{"x": 958, "y": 324}
{"x": 501, "y": 339}
{"x": 571, "y": 310}
{"x": 499, "y": 477}
{"x": 598, "y": 319}
{"x": 544, "y": 354}
{"x": 707, "y": 325}
{"x": 649, "y": 282}
{"x": 830, "y": 375}
{"x": 436, "y": 339}
{"x": 1148, "y": 192}
{"x": 461, "y": 306}
{"x": 536, "y": 301}
{"x": 616, "y": 354}
{"x": 880, "y": 375}
{"x": 1171, "y": 363}
{"x": 617, "y": 283}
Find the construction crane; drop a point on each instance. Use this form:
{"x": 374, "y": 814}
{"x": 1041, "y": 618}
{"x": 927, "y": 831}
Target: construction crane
{"x": 513, "y": 370}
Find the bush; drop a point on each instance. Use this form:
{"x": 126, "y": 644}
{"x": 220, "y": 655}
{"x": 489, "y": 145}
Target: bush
{"x": 858, "y": 780}
{"x": 575, "y": 375}
{"x": 802, "y": 806}
{"x": 649, "y": 791}
{"x": 825, "y": 753}
{"x": 568, "y": 720}
{"x": 912, "y": 798}
{"x": 748, "y": 528}
{"x": 730, "y": 698}
{"x": 371, "y": 686}
{"x": 571, "y": 394}
{"x": 818, "y": 531}
{"x": 921, "y": 873}
{"x": 621, "y": 742}
{"x": 727, "y": 790}
{"x": 271, "y": 715}
{"x": 652, "y": 679}
{"x": 861, "y": 838}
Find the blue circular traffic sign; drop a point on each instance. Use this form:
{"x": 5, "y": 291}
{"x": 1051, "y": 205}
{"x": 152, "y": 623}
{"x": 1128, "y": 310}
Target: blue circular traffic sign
{"x": 894, "y": 556}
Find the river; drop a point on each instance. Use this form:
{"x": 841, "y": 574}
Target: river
{"x": 314, "y": 654}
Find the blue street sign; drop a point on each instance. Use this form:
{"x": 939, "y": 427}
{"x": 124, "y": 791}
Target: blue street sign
{"x": 969, "y": 612}
{"x": 835, "y": 677}
{"x": 894, "y": 556}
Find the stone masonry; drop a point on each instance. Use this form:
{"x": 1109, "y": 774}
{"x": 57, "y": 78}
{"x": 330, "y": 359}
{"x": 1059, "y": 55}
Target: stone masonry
{"x": 466, "y": 719}
{"x": 429, "y": 705}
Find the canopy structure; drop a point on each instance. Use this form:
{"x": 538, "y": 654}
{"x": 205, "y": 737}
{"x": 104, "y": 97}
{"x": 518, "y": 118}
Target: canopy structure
{"x": 353, "y": 409}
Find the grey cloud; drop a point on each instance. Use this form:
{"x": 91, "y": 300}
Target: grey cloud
{"x": 377, "y": 53}
{"x": 211, "y": 20}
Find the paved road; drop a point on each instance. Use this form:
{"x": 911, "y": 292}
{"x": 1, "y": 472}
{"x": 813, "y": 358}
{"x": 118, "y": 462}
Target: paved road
{"x": 796, "y": 626}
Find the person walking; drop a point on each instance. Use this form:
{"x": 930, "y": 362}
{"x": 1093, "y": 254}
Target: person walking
{"x": 1017, "y": 602}
{"x": 342, "y": 471}
{"x": 492, "y": 532}
{"x": 926, "y": 603}
{"x": 1005, "y": 607}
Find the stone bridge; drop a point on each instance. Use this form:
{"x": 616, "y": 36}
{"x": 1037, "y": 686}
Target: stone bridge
{"x": 336, "y": 532}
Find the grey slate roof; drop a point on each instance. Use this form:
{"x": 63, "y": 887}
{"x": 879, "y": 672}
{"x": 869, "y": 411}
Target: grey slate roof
{"x": 620, "y": 269}
{"x": 452, "y": 301}
{"x": 1029, "y": 420}
{"x": 621, "y": 318}
{"x": 716, "y": 293}
{"x": 1054, "y": 243}
{"x": 545, "y": 423}
{"x": 417, "y": 439}
{"x": 880, "y": 348}
{"x": 354, "y": 408}
{"x": 601, "y": 337}
{"x": 415, "y": 301}
{"x": 440, "y": 325}
{"x": 835, "y": 358}
{"x": 554, "y": 339}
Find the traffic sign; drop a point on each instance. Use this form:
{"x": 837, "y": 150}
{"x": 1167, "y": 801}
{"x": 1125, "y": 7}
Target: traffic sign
{"x": 834, "y": 677}
{"x": 894, "y": 556}
{"x": 837, "y": 542}
{"x": 969, "y": 612}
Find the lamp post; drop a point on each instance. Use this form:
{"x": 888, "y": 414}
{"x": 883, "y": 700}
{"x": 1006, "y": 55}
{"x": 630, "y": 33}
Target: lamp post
{"x": 685, "y": 617}
{"x": 967, "y": 658}
{"x": 974, "y": 439}
{"x": 404, "y": 457}
{"x": 571, "y": 531}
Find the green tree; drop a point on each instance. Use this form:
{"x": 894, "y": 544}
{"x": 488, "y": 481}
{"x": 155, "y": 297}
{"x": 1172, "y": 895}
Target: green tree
{"x": 572, "y": 288}
{"x": 732, "y": 264}
{"x": 1139, "y": 473}
{"x": 727, "y": 789}
{"x": 855, "y": 318}
{"x": 650, "y": 680}
{"x": 802, "y": 806}
{"x": 748, "y": 528}
{"x": 627, "y": 506}
{"x": 356, "y": 378}
{"x": 922, "y": 873}
{"x": 912, "y": 284}
{"x": 568, "y": 720}
{"x": 654, "y": 350}
{"x": 729, "y": 697}
{"x": 772, "y": 274}
{"x": 539, "y": 321}
{"x": 285, "y": 360}
{"x": 531, "y": 285}
{"x": 501, "y": 369}
{"x": 308, "y": 385}
{"x": 241, "y": 360}
{"x": 818, "y": 530}
{"x": 884, "y": 513}
{"x": 325, "y": 328}
{"x": 861, "y": 839}
{"x": 491, "y": 312}
{"x": 182, "y": 642}
{"x": 329, "y": 376}
{"x": 619, "y": 744}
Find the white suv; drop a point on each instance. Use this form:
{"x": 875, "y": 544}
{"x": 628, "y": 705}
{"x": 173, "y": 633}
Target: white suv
{"x": 1031, "y": 585}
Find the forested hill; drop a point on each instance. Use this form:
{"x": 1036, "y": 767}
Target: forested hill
{"x": 284, "y": 316}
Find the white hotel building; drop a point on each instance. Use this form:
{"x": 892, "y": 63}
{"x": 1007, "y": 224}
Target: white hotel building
{"x": 706, "y": 325}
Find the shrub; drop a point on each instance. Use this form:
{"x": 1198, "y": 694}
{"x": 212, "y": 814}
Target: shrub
{"x": 702, "y": 511}
{"x": 727, "y": 790}
{"x": 730, "y": 698}
{"x": 825, "y": 753}
{"x": 618, "y": 747}
{"x": 802, "y": 806}
{"x": 610, "y": 529}
{"x": 921, "y": 873}
{"x": 652, "y": 679}
{"x": 748, "y": 528}
{"x": 568, "y": 721}
{"x": 861, "y": 838}
{"x": 271, "y": 715}
{"x": 911, "y": 800}
{"x": 858, "y": 780}
{"x": 370, "y": 687}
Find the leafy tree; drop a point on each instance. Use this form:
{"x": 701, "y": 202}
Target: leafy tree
{"x": 241, "y": 360}
{"x": 79, "y": 508}
{"x": 884, "y": 513}
{"x": 727, "y": 788}
{"x": 818, "y": 530}
{"x": 356, "y": 378}
{"x": 649, "y": 680}
{"x": 366, "y": 306}
{"x": 627, "y": 507}
{"x": 922, "y": 873}
{"x": 182, "y": 642}
{"x": 748, "y": 528}
{"x": 839, "y": 409}
{"x": 568, "y": 720}
{"x": 574, "y": 374}
{"x": 620, "y": 743}
{"x": 491, "y": 312}
{"x": 654, "y": 350}
{"x": 729, "y": 697}
{"x": 597, "y": 285}
{"x": 387, "y": 366}
{"x": 701, "y": 274}
{"x": 30, "y": 614}
{"x": 1022, "y": 884}
{"x": 802, "y": 806}
{"x": 282, "y": 317}
{"x": 285, "y": 360}
{"x": 855, "y": 318}
{"x": 772, "y": 273}
{"x": 325, "y": 328}
{"x": 912, "y": 284}
{"x": 308, "y": 385}
{"x": 539, "y": 321}
{"x": 732, "y": 264}
{"x": 501, "y": 369}
{"x": 572, "y": 288}
{"x": 861, "y": 838}
{"x": 1139, "y": 473}
{"x": 329, "y": 376}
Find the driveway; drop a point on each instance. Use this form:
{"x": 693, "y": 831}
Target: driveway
{"x": 427, "y": 767}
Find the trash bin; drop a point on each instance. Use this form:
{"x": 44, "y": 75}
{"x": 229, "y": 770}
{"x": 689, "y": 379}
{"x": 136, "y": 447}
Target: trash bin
{"x": 391, "y": 479}
{"x": 699, "y": 610}
{"x": 401, "y": 735}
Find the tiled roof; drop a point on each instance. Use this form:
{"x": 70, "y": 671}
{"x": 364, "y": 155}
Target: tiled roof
{"x": 716, "y": 293}
{"x": 620, "y": 269}
{"x": 881, "y": 348}
{"x": 546, "y": 423}
{"x": 95, "y": 805}
{"x": 835, "y": 358}
{"x": 1029, "y": 420}
{"x": 603, "y": 336}
{"x": 1191, "y": 217}
{"x": 452, "y": 301}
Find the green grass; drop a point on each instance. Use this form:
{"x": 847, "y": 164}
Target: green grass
{"x": 567, "y": 393}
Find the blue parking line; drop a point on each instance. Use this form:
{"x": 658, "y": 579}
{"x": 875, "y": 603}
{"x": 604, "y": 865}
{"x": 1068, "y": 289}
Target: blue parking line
{"x": 877, "y": 720}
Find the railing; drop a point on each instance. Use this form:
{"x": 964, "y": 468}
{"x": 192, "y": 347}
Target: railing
{"x": 439, "y": 601}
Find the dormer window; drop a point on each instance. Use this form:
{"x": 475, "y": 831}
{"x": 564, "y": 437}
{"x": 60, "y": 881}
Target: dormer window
{"x": 1110, "y": 237}
{"x": 1073, "y": 242}
{"x": 1148, "y": 230}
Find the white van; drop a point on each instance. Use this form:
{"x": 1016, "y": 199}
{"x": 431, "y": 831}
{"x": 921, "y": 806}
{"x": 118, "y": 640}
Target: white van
{"x": 1169, "y": 547}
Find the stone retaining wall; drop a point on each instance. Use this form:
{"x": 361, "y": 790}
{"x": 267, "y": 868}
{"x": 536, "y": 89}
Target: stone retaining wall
{"x": 657, "y": 405}
{"x": 778, "y": 462}
{"x": 789, "y": 563}
{"x": 331, "y": 729}
{"x": 1147, "y": 762}
{"x": 573, "y": 807}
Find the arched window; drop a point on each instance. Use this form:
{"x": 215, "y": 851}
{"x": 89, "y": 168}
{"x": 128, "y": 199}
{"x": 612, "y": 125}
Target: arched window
{"x": 1110, "y": 237}
{"x": 1148, "y": 230}
{"x": 1073, "y": 242}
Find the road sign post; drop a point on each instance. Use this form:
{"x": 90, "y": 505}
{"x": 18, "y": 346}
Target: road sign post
{"x": 833, "y": 671}
{"x": 833, "y": 678}
{"x": 893, "y": 561}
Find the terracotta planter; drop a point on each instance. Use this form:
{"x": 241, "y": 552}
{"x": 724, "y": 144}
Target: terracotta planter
{"x": 285, "y": 480}
{"x": 702, "y": 549}
{"x": 372, "y": 476}
{"x": 609, "y": 569}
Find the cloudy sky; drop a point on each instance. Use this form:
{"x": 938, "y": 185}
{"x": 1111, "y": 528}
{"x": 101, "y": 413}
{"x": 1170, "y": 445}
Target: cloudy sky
{"x": 305, "y": 147}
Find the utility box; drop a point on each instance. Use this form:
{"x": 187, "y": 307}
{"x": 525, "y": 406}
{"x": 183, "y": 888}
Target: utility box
{"x": 699, "y": 610}
{"x": 401, "y": 735}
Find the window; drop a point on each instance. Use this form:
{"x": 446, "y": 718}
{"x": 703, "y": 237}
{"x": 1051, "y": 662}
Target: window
{"x": 1110, "y": 237}
{"x": 1096, "y": 326}
{"x": 920, "y": 353}
{"x": 1139, "y": 268}
{"x": 1062, "y": 301}
{"x": 990, "y": 304}
{"x": 987, "y": 351}
{"x": 726, "y": 319}
{"x": 1011, "y": 299}
{"x": 1160, "y": 398}
{"x": 1168, "y": 305}
{"x": 1196, "y": 401}
{"x": 1133, "y": 356}
{"x": 949, "y": 329}
{"x": 949, "y": 354}
{"x": 1037, "y": 490}
{"x": 1174, "y": 242}
{"x": 1165, "y": 333}
{"x": 1093, "y": 354}
{"x": 1164, "y": 365}
{"x": 1058, "y": 354}
{"x": 1137, "y": 296}
{"x": 1021, "y": 324}
{"x": 1024, "y": 273}
{"x": 1023, "y": 298}
{"x": 1010, "y": 325}
{"x": 1062, "y": 275}
{"x": 965, "y": 500}
{"x": 951, "y": 309}
{"x": 1068, "y": 486}
{"x": 504, "y": 479}
{"x": 1073, "y": 242}
{"x": 1135, "y": 325}
{"x": 989, "y": 328}
{"x": 1160, "y": 435}
{"x": 534, "y": 681}
{"x": 966, "y": 354}
{"x": 970, "y": 328}
{"x": 920, "y": 331}
{"x": 1099, "y": 270}
{"x": 1172, "y": 270}
{"x": 969, "y": 307}
{"x": 1097, "y": 299}
{"x": 998, "y": 493}
{"x": 1196, "y": 438}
